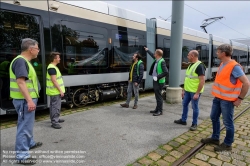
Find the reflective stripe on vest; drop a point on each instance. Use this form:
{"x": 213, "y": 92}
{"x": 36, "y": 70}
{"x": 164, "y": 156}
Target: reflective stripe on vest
{"x": 50, "y": 87}
{"x": 48, "y": 79}
{"x": 192, "y": 80}
{"x": 31, "y": 83}
{"x": 222, "y": 87}
{"x": 226, "y": 88}
{"x": 224, "y": 94}
{"x": 14, "y": 80}
{"x": 17, "y": 89}
{"x": 192, "y": 73}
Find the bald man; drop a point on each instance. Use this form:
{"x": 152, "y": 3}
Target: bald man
{"x": 159, "y": 71}
{"x": 193, "y": 87}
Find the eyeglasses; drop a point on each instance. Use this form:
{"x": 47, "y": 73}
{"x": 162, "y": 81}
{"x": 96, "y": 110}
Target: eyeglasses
{"x": 36, "y": 48}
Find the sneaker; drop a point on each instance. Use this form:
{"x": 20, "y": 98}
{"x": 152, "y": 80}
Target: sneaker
{"x": 125, "y": 105}
{"x": 37, "y": 145}
{"x": 61, "y": 120}
{"x": 28, "y": 161}
{"x": 222, "y": 147}
{"x": 193, "y": 127}
{"x": 56, "y": 126}
{"x": 180, "y": 122}
{"x": 210, "y": 141}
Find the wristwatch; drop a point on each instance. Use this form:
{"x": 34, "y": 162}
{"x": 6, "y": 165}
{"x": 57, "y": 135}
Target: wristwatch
{"x": 240, "y": 98}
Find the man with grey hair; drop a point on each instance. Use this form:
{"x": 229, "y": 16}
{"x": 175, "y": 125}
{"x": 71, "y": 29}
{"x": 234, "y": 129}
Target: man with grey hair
{"x": 193, "y": 87}
{"x": 229, "y": 89}
{"x": 24, "y": 89}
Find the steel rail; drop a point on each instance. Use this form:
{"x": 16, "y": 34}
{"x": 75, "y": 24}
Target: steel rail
{"x": 195, "y": 149}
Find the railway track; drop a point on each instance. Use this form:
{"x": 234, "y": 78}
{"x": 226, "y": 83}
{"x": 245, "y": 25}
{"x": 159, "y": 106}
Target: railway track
{"x": 192, "y": 152}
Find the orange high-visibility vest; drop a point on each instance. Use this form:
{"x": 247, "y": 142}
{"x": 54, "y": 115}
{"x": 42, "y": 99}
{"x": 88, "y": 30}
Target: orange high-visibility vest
{"x": 222, "y": 87}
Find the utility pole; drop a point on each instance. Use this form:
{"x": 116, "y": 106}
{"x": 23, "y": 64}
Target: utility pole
{"x": 173, "y": 92}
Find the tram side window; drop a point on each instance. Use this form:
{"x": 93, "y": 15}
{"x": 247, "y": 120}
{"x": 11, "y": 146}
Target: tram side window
{"x": 203, "y": 53}
{"x": 125, "y": 45}
{"x": 84, "y": 49}
{"x": 215, "y": 60}
{"x": 235, "y": 55}
{"x": 242, "y": 58}
{"x": 166, "y": 50}
{"x": 187, "y": 46}
{"x": 14, "y": 27}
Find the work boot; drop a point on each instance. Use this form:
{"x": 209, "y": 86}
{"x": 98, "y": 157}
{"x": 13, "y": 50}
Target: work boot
{"x": 56, "y": 126}
{"x": 222, "y": 147}
{"x": 210, "y": 141}
{"x": 180, "y": 122}
{"x": 135, "y": 106}
{"x": 61, "y": 120}
{"x": 125, "y": 105}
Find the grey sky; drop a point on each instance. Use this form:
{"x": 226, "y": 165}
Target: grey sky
{"x": 236, "y": 13}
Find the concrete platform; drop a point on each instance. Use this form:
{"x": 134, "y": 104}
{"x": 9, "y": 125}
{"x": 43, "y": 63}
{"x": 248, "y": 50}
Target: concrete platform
{"x": 106, "y": 136}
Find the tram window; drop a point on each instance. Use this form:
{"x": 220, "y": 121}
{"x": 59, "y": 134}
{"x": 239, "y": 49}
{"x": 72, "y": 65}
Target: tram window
{"x": 85, "y": 47}
{"x": 166, "y": 50}
{"x": 14, "y": 27}
{"x": 187, "y": 46}
{"x": 215, "y": 60}
{"x": 242, "y": 57}
{"x": 125, "y": 45}
{"x": 203, "y": 53}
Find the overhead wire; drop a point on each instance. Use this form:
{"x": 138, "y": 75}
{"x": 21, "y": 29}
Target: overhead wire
{"x": 219, "y": 21}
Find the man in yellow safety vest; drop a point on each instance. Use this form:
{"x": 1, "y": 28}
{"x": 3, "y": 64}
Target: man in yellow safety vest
{"x": 193, "y": 87}
{"x": 55, "y": 89}
{"x": 24, "y": 89}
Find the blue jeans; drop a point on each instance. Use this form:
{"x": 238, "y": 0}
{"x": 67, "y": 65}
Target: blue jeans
{"x": 226, "y": 108}
{"x": 188, "y": 96}
{"x": 24, "y": 135}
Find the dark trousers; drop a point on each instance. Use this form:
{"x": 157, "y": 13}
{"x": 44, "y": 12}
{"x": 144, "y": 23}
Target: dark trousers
{"x": 159, "y": 100}
{"x": 55, "y": 108}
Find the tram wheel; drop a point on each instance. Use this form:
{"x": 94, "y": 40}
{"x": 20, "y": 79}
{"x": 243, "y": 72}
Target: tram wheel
{"x": 80, "y": 97}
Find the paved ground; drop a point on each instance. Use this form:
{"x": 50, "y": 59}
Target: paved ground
{"x": 108, "y": 135}
{"x": 170, "y": 152}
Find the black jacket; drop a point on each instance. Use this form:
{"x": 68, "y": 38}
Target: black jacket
{"x": 163, "y": 66}
{"x": 135, "y": 77}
